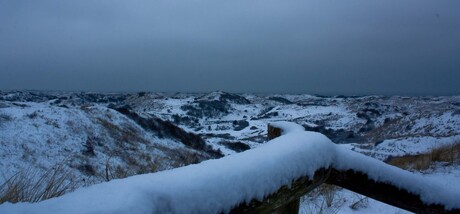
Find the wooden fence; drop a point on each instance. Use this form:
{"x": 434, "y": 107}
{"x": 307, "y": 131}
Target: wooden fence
{"x": 287, "y": 200}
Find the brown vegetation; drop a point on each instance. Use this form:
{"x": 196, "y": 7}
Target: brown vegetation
{"x": 449, "y": 155}
{"x": 29, "y": 186}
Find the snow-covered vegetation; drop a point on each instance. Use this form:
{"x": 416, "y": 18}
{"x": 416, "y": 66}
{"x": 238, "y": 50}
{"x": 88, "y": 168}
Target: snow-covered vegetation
{"x": 218, "y": 185}
{"x": 98, "y": 137}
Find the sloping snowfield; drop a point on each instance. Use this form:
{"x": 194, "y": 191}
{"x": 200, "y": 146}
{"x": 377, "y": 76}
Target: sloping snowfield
{"x": 217, "y": 185}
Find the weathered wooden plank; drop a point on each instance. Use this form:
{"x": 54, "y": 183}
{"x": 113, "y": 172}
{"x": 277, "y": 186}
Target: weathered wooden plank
{"x": 286, "y": 199}
{"x": 360, "y": 183}
{"x": 294, "y": 205}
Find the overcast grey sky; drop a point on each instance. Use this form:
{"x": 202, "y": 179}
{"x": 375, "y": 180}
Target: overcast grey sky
{"x": 285, "y": 46}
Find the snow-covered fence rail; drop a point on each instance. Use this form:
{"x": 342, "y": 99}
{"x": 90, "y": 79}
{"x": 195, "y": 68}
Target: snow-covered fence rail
{"x": 287, "y": 198}
{"x": 270, "y": 178}
{"x": 373, "y": 179}
{"x": 360, "y": 182}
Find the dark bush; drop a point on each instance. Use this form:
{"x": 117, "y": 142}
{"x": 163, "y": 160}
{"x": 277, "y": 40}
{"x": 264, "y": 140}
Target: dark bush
{"x": 239, "y": 125}
{"x": 233, "y": 98}
{"x": 236, "y": 146}
{"x": 280, "y": 100}
{"x": 88, "y": 147}
{"x": 87, "y": 169}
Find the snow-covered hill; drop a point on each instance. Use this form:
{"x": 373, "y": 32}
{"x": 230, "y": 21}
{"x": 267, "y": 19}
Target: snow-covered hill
{"x": 93, "y": 142}
{"x": 104, "y": 136}
{"x": 218, "y": 186}
{"x": 377, "y": 125}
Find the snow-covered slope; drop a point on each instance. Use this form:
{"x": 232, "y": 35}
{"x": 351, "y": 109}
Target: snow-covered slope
{"x": 93, "y": 143}
{"x": 136, "y": 133}
{"x": 378, "y": 125}
{"x": 221, "y": 184}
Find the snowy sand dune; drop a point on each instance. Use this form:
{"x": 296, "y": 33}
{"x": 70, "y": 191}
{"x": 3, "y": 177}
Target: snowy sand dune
{"x": 218, "y": 185}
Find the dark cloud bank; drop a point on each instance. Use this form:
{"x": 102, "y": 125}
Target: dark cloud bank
{"x": 328, "y": 47}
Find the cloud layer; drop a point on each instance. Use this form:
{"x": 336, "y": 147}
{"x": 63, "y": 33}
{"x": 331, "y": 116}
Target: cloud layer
{"x": 327, "y": 47}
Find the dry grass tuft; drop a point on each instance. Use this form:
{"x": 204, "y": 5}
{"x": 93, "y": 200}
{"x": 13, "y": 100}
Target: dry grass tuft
{"x": 30, "y": 186}
{"x": 449, "y": 155}
{"x": 322, "y": 200}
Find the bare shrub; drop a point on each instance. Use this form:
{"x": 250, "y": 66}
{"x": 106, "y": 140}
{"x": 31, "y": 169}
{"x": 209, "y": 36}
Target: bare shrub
{"x": 324, "y": 199}
{"x": 119, "y": 173}
{"x": 328, "y": 192}
{"x": 361, "y": 203}
{"x": 146, "y": 164}
{"x": 5, "y": 117}
{"x": 31, "y": 186}
{"x": 32, "y": 115}
{"x": 89, "y": 147}
{"x": 123, "y": 134}
{"x": 87, "y": 169}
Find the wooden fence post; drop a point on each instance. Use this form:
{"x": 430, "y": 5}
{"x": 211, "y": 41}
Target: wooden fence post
{"x": 292, "y": 207}
{"x": 273, "y": 132}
